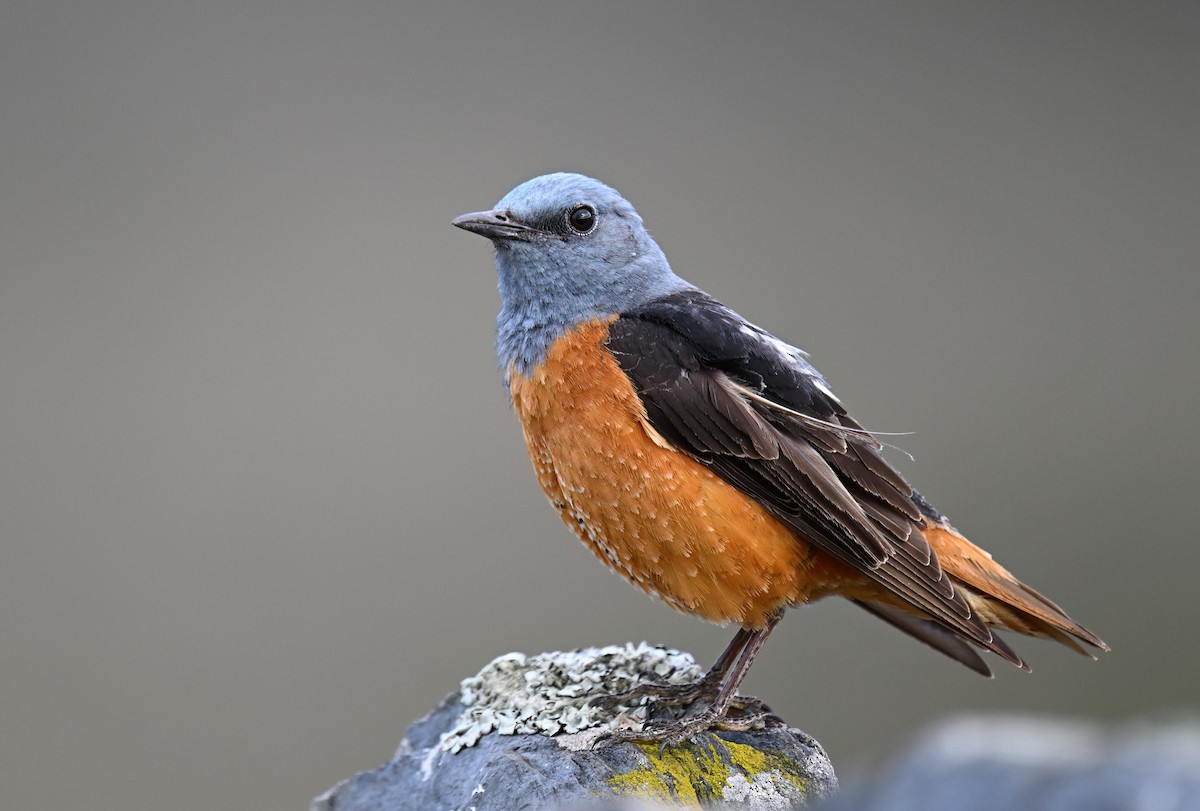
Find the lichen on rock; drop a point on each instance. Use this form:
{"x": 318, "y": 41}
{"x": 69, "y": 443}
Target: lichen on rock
{"x": 711, "y": 769}
{"x": 549, "y": 693}
{"x": 520, "y": 734}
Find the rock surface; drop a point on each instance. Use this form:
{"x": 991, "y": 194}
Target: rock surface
{"x": 998, "y": 763}
{"x": 486, "y": 747}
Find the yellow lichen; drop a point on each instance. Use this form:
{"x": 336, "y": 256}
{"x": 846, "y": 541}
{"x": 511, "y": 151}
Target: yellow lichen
{"x": 751, "y": 761}
{"x": 683, "y": 774}
{"x": 688, "y": 775}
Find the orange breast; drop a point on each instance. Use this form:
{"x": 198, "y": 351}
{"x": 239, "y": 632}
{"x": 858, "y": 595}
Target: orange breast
{"x": 657, "y": 517}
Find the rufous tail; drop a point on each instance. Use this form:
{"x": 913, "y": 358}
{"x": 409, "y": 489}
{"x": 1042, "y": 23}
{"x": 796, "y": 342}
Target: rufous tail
{"x": 994, "y": 595}
{"x": 1002, "y": 600}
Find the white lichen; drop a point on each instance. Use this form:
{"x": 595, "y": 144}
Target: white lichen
{"x": 549, "y": 694}
{"x": 760, "y": 792}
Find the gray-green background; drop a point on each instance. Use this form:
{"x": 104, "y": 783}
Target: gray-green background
{"x": 262, "y": 501}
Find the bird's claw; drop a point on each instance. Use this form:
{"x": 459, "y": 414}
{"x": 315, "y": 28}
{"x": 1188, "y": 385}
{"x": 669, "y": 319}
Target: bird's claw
{"x": 751, "y": 714}
{"x": 665, "y": 693}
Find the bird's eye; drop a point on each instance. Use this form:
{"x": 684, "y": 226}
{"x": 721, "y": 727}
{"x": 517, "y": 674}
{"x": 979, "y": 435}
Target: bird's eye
{"x": 582, "y": 219}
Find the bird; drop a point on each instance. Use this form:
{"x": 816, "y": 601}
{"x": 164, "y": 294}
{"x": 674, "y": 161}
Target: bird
{"x": 709, "y": 463}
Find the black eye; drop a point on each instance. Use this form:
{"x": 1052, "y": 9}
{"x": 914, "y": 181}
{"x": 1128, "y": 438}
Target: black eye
{"x": 582, "y": 219}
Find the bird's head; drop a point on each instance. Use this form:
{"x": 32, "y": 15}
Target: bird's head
{"x": 569, "y": 249}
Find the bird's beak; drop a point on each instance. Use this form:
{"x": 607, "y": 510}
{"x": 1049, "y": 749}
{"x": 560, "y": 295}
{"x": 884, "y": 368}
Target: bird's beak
{"x": 495, "y": 224}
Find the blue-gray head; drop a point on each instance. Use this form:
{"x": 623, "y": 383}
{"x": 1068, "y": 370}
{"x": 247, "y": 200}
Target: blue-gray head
{"x": 569, "y": 249}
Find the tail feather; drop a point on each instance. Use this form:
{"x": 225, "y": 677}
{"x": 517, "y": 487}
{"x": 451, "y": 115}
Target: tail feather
{"x": 1002, "y": 615}
{"x": 999, "y": 598}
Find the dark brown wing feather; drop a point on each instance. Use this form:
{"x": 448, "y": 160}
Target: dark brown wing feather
{"x": 932, "y": 634}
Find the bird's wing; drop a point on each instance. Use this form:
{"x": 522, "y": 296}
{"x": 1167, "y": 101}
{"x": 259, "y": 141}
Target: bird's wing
{"x": 756, "y": 413}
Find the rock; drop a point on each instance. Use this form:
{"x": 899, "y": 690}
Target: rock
{"x": 519, "y": 735}
{"x": 999, "y": 763}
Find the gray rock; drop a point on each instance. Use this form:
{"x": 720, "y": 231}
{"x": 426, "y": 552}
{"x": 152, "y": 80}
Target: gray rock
{"x": 476, "y": 750}
{"x": 1002, "y": 763}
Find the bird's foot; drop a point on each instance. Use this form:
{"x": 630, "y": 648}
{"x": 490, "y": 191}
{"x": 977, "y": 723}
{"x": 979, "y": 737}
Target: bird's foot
{"x": 664, "y": 693}
{"x": 741, "y": 715}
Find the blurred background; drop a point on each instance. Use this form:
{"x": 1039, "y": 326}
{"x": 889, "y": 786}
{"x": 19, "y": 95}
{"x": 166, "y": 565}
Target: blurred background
{"x": 262, "y": 499}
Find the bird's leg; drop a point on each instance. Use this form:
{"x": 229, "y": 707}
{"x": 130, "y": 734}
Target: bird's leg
{"x": 674, "y": 695}
{"x": 752, "y": 713}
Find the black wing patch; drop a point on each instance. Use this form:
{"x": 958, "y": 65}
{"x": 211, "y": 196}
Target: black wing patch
{"x": 758, "y": 415}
